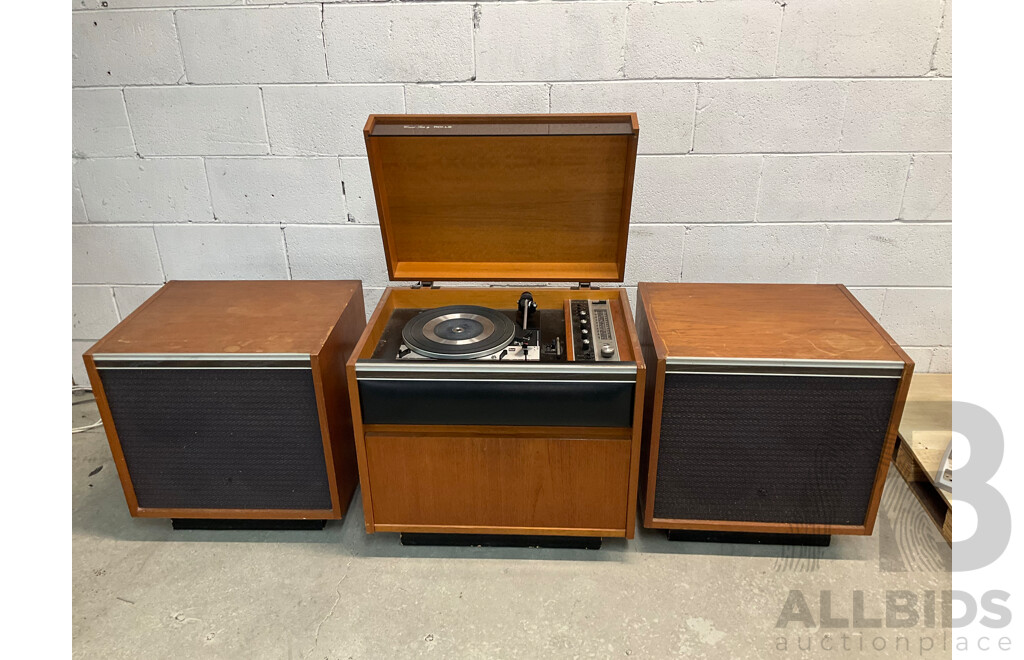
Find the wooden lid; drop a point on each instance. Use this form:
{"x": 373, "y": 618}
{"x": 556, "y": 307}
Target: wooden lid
{"x": 267, "y": 316}
{"x": 770, "y": 321}
{"x": 503, "y": 197}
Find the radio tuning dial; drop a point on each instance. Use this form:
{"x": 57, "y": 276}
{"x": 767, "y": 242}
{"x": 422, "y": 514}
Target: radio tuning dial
{"x": 607, "y": 350}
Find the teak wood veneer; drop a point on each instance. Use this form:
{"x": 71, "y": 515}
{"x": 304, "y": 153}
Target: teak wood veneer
{"x": 543, "y": 480}
{"x": 792, "y": 323}
{"x": 319, "y": 319}
{"x": 524, "y": 198}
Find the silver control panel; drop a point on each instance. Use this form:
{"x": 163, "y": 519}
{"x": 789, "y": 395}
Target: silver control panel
{"x": 593, "y": 332}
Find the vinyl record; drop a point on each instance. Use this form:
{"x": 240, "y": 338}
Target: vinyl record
{"x": 458, "y": 332}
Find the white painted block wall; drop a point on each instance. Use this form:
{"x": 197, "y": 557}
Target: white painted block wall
{"x": 781, "y": 141}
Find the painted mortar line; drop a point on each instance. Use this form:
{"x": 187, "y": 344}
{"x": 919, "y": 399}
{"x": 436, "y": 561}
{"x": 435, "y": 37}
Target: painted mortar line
{"x": 744, "y": 223}
{"x": 128, "y": 119}
{"x": 181, "y": 52}
{"x": 757, "y": 197}
{"x": 640, "y": 155}
{"x": 266, "y": 124}
{"x": 323, "y": 39}
{"x": 906, "y": 183}
{"x": 778, "y": 44}
{"x": 159, "y": 253}
{"x": 607, "y": 81}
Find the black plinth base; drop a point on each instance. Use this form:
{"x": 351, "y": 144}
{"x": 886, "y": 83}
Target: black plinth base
{"x": 700, "y": 536}
{"x": 246, "y": 523}
{"x": 503, "y": 541}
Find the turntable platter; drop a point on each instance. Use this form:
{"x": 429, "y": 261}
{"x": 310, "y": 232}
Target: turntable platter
{"x": 458, "y": 332}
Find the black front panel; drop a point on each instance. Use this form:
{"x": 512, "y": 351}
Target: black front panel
{"x": 501, "y": 403}
{"x": 220, "y": 438}
{"x": 786, "y": 449}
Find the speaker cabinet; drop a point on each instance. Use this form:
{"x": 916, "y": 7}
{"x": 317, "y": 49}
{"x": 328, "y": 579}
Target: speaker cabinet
{"x": 771, "y": 409}
{"x": 228, "y": 400}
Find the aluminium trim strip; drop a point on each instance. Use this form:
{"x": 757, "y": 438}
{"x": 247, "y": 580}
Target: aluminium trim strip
{"x": 407, "y": 379}
{"x": 778, "y": 362}
{"x": 202, "y": 360}
{"x": 505, "y": 371}
{"x": 784, "y": 373}
{"x": 785, "y": 367}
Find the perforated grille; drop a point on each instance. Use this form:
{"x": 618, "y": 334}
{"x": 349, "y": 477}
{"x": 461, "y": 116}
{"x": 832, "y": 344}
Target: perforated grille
{"x": 220, "y": 438}
{"x": 785, "y": 449}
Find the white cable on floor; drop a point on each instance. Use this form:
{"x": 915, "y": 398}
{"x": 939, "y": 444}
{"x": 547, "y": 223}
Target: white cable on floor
{"x": 79, "y": 429}
{"x": 98, "y": 422}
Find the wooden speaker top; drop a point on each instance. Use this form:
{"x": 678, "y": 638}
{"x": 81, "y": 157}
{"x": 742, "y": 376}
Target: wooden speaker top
{"x": 269, "y": 316}
{"x": 771, "y": 321}
{"x": 503, "y": 197}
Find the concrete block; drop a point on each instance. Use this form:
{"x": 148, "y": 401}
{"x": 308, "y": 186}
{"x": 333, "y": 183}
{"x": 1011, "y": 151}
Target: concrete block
{"x": 351, "y": 252}
{"x": 695, "y": 188}
{"x": 664, "y": 109}
{"x": 299, "y": 2}
{"x": 222, "y": 252}
{"x": 654, "y": 253}
{"x": 93, "y": 312}
{"x": 872, "y": 298}
{"x": 258, "y": 45}
{"x": 768, "y": 115}
{"x": 867, "y": 38}
{"x": 149, "y": 190}
{"x": 78, "y": 213}
{"x": 78, "y": 373}
{"x": 371, "y": 296}
{"x": 128, "y": 298}
{"x": 832, "y": 187}
{"x": 124, "y": 48}
{"x": 735, "y": 39}
{"x": 631, "y": 294}
{"x": 114, "y": 255}
{"x": 276, "y": 190}
{"x": 752, "y": 253}
{"x": 325, "y": 120}
{"x": 887, "y": 254}
{"x": 550, "y": 41}
{"x": 899, "y": 115}
{"x": 359, "y": 198}
{"x": 182, "y": 121}
{"x": 942, "y": 60}
{"x": 134, "y": 4}
{"x": 929, "y": 193}
{"x": 919, "y": 317}
{"x": 99, "y": 124}
{"x": 922, "y": 357}
{"x": 406, "y": 43}
{"x": 942, "y": 360}
{"x": 476, "y": 99}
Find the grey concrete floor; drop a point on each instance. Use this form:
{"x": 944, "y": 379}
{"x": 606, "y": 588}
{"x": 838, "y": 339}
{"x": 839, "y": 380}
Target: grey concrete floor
{"x": 143, "y": 590}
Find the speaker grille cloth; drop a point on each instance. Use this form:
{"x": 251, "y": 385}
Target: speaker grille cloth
{"x": 770, "y": 448}
{"x": 220, "y": 438}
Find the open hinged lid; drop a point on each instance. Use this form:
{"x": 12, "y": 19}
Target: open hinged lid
{"x": 503, "y": 197}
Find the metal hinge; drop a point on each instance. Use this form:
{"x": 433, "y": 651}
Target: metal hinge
{"x": 425, "y": 284}
{"x": 586, "y": 285}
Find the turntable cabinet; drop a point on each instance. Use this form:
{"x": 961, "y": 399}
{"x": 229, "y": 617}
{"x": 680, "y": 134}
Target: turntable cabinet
{"x": 225, "y": 403}
{"x": 500, "y": 410}
{"x": 772, "y": 410}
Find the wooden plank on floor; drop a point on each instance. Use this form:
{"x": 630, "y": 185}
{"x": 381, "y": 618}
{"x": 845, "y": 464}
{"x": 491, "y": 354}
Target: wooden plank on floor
{"x": 925, "y": 432}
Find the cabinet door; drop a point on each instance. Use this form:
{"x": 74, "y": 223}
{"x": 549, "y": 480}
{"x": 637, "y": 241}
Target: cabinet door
{"x": 481, "y": 482}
